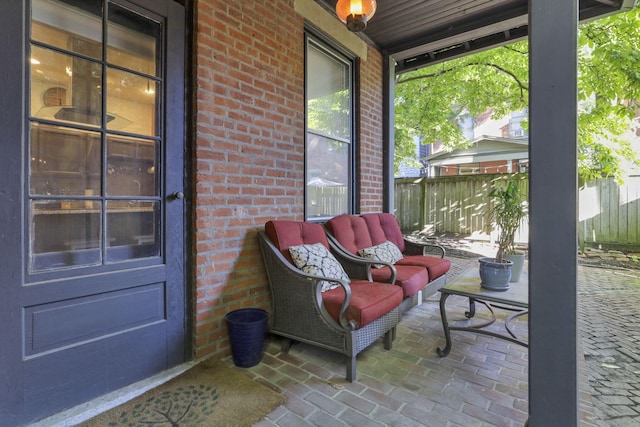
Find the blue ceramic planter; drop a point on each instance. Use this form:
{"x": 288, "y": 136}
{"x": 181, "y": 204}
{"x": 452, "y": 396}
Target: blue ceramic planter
{"x": 495, "y": 275}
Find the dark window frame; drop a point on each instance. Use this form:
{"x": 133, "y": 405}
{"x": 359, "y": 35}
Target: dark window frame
{"x": 333, "y": 49}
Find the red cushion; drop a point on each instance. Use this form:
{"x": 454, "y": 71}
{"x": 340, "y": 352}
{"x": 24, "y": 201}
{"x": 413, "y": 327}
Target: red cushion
{"x": 285, "y": 234}
{"x": 369, "y": 301}
{"x": 410, "y": 278}
{"x": 384, "y": 226}
{"x": 434, "y": 265}
{"x": 350, "y": 231}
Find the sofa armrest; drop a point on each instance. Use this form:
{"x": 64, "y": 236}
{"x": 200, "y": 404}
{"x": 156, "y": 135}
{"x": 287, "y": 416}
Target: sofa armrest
{"x": 294, "y": 291}
{"x": 357, "y": 267}
{"x": 423, "y": 248}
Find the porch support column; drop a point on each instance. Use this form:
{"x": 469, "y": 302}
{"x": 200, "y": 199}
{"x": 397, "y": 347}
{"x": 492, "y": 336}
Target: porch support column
{"x": 553, "y": 392}
{"x": 388, "y": 134}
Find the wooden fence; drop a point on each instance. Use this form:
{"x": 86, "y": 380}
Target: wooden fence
{"x": 323, "y": 200}
{"x": 458, "y": 205}
{"x": 609, "y": 213}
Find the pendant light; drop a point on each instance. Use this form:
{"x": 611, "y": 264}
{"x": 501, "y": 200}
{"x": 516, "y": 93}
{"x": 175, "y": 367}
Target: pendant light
{"x": 355, "y": 13}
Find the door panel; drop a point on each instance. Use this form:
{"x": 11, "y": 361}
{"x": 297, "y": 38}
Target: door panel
{"x": 97, "y": 368}
{"x": 93, "y": 248}
{"x": 104, "y": 314}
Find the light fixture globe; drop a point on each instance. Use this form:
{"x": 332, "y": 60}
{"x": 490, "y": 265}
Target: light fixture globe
{"x": 355, "y": 13}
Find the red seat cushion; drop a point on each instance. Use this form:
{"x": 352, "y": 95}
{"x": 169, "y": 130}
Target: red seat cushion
{"x": 369, "y": 301}
{"x": 410, "y": 278}
{"x": 434, "y": 265}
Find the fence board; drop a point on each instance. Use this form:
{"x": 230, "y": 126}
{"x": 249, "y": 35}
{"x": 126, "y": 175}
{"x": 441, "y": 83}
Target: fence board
{"x": 632, "y": 212}
{"x": 623, "y": 214}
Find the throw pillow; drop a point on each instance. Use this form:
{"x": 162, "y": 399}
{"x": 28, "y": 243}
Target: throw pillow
{"x": 386, "y": 251}
{"x": 317, "y": 260}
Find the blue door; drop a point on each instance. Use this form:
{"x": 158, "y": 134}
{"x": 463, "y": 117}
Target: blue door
{"x": 93, "y": 275}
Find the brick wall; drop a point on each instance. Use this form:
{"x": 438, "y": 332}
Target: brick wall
{"x": 249, "y": 155}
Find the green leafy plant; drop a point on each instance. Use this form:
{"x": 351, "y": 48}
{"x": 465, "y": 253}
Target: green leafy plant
{"x": 508, "y": 209}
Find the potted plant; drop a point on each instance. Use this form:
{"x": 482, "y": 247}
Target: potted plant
{"x": 508, "y": 210}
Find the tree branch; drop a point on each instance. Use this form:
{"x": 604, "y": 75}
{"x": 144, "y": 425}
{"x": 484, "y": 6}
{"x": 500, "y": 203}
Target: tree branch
{"x": 523, "y": 87}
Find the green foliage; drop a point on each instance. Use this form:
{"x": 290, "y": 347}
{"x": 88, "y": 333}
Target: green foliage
{"x": 509, "y": 208}
{"x": 330, "y": 114}
{"x": 432, "y": 100}
{"x": 405, "y": 149}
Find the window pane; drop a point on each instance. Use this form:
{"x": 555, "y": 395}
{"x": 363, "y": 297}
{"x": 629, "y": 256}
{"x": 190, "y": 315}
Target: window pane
{"x": 131, "y": 102}
{"x": 131, "y": 230}
{"x": 65, "y": 233}
{"x": 328, "y": 94}
{"x": 65, "y": 88}
{"x": 327, "y": 177}
{"x": 329, "y": 136}
{"x": 64, "y": 161}
{"x": 76, "y": 29}
{"x": 132, "y": 40}
{"x": 77, "y": 83}
{"x": 131, "y": 167}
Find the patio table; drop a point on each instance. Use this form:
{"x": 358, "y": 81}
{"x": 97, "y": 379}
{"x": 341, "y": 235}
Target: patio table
{"x": 515, "y": 299}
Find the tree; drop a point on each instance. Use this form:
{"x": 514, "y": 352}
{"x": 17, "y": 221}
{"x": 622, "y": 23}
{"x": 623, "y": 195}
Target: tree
{"x": 430, "y": 101}
{"x": 405, "y": 149}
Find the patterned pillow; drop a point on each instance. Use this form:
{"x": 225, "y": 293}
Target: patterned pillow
{"x": 386, "y": 251}
{"x": 317, "y": 260}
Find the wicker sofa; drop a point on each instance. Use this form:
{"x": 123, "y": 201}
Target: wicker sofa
{"x": 346, "y": 319}
{"x": 417, "y": 271}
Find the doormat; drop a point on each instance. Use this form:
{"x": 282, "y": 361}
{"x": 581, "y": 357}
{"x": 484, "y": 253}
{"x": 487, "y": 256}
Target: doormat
{"x": 209, "y": 394}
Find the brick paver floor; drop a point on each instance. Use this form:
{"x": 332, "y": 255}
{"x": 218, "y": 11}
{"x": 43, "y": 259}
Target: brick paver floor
{"x": 482, "y": 382}
{"x": 609, "y": 314}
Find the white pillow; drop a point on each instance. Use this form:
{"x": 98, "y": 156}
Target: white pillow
{"x": 317, "y": 260}
{"x": 386, "y": 251}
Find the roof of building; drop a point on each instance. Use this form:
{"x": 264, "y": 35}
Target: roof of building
{"x": 483, "y": 149}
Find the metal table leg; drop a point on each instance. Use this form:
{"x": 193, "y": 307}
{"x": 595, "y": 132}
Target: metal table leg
{"x": 478, "y": 327}
{"x": 472, "y": 308}
{"x": 445, "y": 326}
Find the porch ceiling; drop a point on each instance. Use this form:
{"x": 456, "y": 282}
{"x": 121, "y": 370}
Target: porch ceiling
{"x": 418, "y": 33}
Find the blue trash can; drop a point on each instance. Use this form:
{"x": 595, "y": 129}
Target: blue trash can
{"x": 247, "y": 328}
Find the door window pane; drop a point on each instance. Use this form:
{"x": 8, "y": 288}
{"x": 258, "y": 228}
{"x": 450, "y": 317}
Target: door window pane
{"x": 131, "y": 167}
{"x": 131, "y": 102}
{"x": 131, "y": 230}
{"x": 132, "y": 40}
{"x": 64, "y": 161}
{"x": 76, "y": 29}
{"x": 65, "y": 233}
{"x": 65, "y": 88}
{"x": 329, "y": 133}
